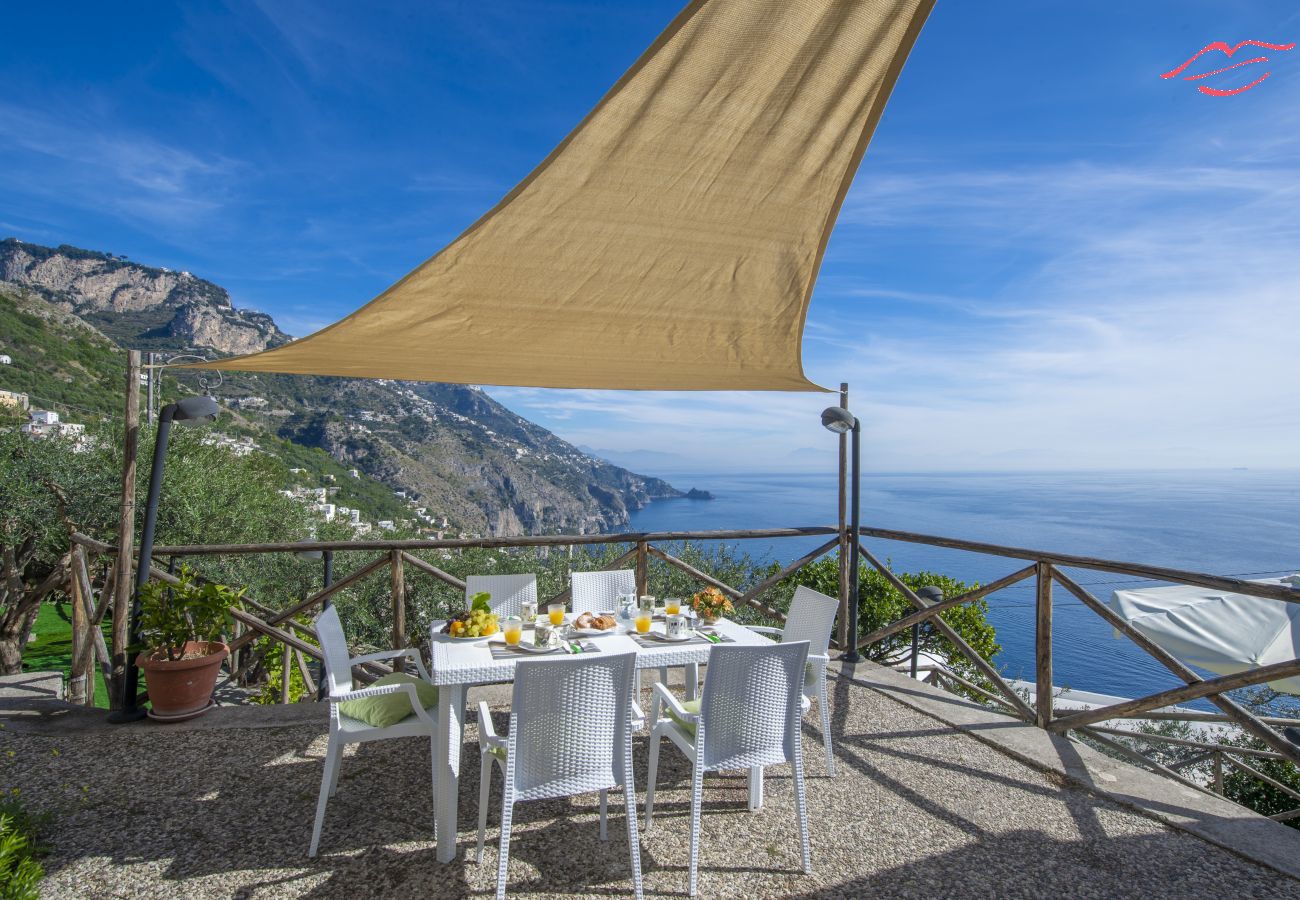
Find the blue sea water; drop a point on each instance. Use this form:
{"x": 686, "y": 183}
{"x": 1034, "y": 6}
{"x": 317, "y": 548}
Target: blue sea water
{"x": 1226, "y": 522}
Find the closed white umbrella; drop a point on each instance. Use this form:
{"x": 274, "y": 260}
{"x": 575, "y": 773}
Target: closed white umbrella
{"x": 1220, "y": 632}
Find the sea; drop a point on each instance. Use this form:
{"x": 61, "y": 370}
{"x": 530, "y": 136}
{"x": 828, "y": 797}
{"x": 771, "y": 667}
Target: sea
{"x": 1240, "y": 522}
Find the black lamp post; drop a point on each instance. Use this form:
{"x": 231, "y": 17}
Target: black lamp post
{"x": 192, "y": 410}
{"x": 841, "y": 421}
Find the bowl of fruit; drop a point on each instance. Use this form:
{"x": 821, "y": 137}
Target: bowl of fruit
{"x": 476, "y": 623}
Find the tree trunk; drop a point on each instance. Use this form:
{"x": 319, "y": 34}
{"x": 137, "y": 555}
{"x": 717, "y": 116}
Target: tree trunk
{"x": 11, "y": 655}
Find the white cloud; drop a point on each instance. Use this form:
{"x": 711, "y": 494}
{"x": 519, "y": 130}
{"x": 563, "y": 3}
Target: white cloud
{"x": 95, "y": 165}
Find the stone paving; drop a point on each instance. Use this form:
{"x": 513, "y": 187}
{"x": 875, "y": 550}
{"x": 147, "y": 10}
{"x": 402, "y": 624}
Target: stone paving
{"x": 917, "y": 809}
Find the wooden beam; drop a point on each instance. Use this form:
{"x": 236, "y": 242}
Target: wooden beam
{"x": 1043, "y": 645}
{"x": 305, "y": 673}
{"x": 1186, "y": 742}
{"x": 694, "y": 572}
{"x": 124, "y": 589}
{"x": 261, "y": 627}
{"x": 1235, "y": 711}
{"x": 1137, "y": 570}
{"x": 1268, "y": 780}
{"x": 767, "y": 583}
{"x": 985, "y": 667}
{"x": 921, "y": 615}
{"x": 78, "y": 690}
{"x": 1192, "y": 691}
{"x": 642, "y": 569}
{"x": 539, "y": 540}
{"x": 1141, "y": 760}
{"x": 329, "y": 591}
{"x": 397, "y": 585}
{"x": 433, "y": 570}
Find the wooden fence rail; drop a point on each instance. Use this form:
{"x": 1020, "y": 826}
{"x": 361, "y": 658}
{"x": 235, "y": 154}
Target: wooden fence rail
{"x": 1044, "y": 567}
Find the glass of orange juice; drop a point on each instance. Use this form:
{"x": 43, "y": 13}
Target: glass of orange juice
{"x": 643, "y": 619}
{"x": 513, "y": 630}
{"x": 672, "y": 606}
{"x": 556, "y": 613}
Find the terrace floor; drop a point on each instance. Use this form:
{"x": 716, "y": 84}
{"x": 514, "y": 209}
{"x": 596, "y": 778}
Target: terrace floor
{"x": 223, "y": 808}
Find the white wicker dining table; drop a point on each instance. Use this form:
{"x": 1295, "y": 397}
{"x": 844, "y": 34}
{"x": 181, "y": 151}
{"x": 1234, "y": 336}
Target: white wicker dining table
{"x": 457, "y": 665}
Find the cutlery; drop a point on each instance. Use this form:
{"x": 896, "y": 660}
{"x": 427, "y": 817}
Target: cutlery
{"x": 711, "y": 638}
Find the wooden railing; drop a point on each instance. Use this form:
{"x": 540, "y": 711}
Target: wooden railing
{"x": 255, "y": 620}
{"x": 1045, "y": 568}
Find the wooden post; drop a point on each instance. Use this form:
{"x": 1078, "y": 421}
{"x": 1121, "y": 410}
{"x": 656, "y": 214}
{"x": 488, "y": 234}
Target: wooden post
{"x": 1043, "y": 646}
{"x": 124, "y": 589}
{"x": 844, "y": 624}
{"x": 286, "y": 671}
{"x": 79, "y": 685}
{"x": 642, "y": 568}
{"x": 1218, "y": 772}
{"x": 398, "y": 574}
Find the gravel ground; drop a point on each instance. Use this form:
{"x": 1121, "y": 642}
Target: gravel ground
{"x": 916, "y": 810}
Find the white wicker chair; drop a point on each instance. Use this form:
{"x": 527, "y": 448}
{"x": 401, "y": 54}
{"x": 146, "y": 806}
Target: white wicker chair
{"x": 570, "y": 733}
{"x": 345, "y": 730}
{"x": 748, "y": 717}
{"x": 508, "y": 591}
{"x": 811, "y": 619}
{"x": 598, "y": 591}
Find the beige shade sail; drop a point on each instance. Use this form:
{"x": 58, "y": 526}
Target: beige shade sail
{"x": 672, "y": 240}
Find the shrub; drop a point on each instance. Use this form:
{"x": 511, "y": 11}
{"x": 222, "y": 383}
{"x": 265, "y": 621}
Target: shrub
{"x": 20, "y": 872}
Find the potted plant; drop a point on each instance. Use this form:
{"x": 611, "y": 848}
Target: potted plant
{"x": 710, "y": 605}
{"x": 181, "y": 627}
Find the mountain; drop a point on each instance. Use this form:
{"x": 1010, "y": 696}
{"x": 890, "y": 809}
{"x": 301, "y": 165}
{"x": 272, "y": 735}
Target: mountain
{"x": 451, "y": 449}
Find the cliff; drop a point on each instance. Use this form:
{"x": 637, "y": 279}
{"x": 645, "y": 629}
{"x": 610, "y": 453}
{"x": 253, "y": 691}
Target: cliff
{"x": 452, "y": 449}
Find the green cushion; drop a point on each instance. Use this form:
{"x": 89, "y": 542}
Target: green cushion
{"x": 691, "y": 706}
{"x": 380, "y": 712}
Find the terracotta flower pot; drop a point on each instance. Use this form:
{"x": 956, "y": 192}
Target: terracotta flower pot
{"x": 183, "y": 688}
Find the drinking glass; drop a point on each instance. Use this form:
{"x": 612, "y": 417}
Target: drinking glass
{"x": 646, "y": 603}
{"x": 556, "y": 613}
{"x": 643, "y": 619}
{"x": 528, "y": 610}
{"x": 626, "y": 604}
{"x": 513, "y": 630}
{"x": 672, "y": 606}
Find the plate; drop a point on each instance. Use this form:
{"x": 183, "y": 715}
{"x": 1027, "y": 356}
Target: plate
{"x": 594, "y": 632}
{"x": 481, "y": 637}
{"x": 529, "y": 648}
{"x": 660, "y": 636}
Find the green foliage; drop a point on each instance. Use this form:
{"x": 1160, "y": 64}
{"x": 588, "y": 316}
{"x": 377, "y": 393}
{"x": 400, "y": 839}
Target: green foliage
{"x": 58, "y": 365}
{"x": 274, "y": 663}
{"x": 193, "y": 610}
{"x": 880, "y": 603}
{"x": 20, "y": 870}
{"x": 1244, "y": 788}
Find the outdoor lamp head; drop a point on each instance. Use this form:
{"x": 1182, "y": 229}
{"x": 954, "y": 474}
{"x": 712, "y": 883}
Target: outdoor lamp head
{"x": 195, "y": 409}
{"x": 838, "y": 419}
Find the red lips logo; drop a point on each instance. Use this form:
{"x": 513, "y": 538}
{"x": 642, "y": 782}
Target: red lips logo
{"x": 1227, "y": 51}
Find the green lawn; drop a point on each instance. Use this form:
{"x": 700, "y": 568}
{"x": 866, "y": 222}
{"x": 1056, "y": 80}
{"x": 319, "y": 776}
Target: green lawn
{"x": 50, "y": 649}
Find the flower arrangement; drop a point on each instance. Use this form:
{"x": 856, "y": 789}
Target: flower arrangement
{"x": 711, "y": 604}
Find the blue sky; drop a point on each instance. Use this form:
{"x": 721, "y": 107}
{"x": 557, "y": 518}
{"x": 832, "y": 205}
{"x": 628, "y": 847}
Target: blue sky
{"x": 1051, "y": 257}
